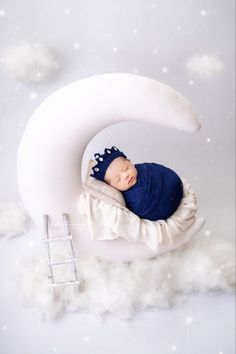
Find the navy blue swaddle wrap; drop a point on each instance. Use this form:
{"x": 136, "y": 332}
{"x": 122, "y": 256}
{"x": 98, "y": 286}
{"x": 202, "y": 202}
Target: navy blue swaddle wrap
{"x": 156, "y": 194}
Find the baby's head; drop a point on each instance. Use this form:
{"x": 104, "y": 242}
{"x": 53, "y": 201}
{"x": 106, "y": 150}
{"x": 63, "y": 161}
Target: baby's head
{"x": 114, "y": 168}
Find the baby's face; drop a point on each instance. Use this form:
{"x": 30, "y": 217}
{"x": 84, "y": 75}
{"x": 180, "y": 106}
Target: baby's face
{"x": 121, "y": 174}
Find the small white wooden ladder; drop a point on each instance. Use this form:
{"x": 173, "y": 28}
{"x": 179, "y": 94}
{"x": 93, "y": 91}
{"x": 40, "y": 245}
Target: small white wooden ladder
{"x": 71, "y": 259}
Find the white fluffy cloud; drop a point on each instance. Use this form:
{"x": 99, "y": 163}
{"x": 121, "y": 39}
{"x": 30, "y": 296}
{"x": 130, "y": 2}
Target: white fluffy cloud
{"x": 204, "y": 65}
{"x": 29, "y": 62}
{"x": 13, "y": 219}
{"x": 202, "y": 265}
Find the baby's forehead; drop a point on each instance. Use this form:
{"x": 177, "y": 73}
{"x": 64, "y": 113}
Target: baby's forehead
{"x": 120, "y": 161}
{"x": 117, "y": 163}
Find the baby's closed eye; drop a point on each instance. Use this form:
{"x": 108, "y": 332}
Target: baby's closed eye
{"x": 123, "y": 169}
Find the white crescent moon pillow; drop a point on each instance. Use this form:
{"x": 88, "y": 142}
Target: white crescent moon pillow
{"x": 50, "y": 153}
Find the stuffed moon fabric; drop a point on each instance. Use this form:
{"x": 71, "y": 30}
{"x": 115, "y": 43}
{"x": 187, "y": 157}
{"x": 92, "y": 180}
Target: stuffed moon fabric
{"x": 51, "y": 149}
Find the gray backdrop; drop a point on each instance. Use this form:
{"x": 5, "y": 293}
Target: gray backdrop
{"x": 156, "y": 39}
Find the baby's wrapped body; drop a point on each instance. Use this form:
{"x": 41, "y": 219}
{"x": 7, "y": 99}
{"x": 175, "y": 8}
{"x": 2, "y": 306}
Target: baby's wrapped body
{"x": 156, "y": 194}
{"x": 151, "y": 194}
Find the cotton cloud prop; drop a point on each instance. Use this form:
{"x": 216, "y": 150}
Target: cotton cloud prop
{"x": 13, "y": 219}
{"x": 203, "y": 265}
{"x": 204, "y": 65}
{"x": 29, "y": 62}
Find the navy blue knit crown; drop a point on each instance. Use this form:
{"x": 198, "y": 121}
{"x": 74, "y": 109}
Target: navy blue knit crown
{"x": 104, "y": 160}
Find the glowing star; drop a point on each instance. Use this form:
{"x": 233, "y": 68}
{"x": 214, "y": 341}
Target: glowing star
{"x": 76, "y": 46}
{"x": 164, "y": 69}
{"x": 135, "y": 31}
{"x": 156, "y": 49}
{"x": 169, "y": 275}
{"x": 54, "y": 349}
{"x": 208, "y": 140}
{"x": 33, "y": 96}
{"x": 114, "y": 49}
{"x": 191, "y": 82}
{"x": 203, "y": 13}
{"x": 178, "y": 28}
{"x": 67, "y": 11}
{"x": 2, "y": 13}
{"x": 189, "y": 320}
{"x": 31, "y": 243}
{"x": 173, "y": 347}
{"x": 4, "y": 327}
{"x": 86, "y": 339}
{"x": 207, "y": 232}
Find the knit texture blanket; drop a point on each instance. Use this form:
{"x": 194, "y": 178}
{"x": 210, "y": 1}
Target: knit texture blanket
{"x": 157, "y": 192}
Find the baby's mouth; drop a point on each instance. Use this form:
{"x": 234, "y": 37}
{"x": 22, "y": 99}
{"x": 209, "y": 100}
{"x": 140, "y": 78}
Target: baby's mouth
{"x": 131, "y": 180}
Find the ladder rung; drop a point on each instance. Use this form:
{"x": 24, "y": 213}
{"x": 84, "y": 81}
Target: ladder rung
{"x": 63, "y": 261}
{"x": 69, "y": 282}
{"x": 55, "y": 239}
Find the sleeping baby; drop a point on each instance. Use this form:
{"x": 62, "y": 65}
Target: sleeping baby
{"x": 151, "y": 191}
